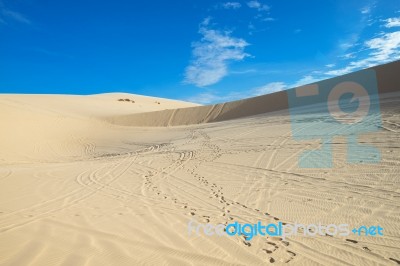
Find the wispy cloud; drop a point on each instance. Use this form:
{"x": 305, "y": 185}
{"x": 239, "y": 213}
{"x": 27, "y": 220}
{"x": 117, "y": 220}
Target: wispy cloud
{"x": 305, "y": 80}
{"x": 10, "y": 15}
{"x": 213, "y": 97}
{"x": 204, "y": 98}
{"x": 231, "y": 5}
{"x": 257, "y": 5}
{"x": 366, "y": 10}
{"x": 348, "y": 56}
{"x": 15, "y": 16}
{"x": 392, "y": 22}
{"x": 268, "y": 19}
{"x": 280, "y": 85}
{"x": 348, "y": 42}
{"x": 297, "y": 31}
{"x": 381, "y": 50}
{"x": 268, "y": 88}
{"x": 212, "y": 54}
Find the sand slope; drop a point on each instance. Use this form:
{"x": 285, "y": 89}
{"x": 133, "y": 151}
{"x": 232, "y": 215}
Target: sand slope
{"x": 386, "y": 75}
{"x": 53, "y": 127}
{"x": 79, "y": 190}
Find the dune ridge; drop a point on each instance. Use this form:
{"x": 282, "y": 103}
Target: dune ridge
{"x": 387, "y": 79}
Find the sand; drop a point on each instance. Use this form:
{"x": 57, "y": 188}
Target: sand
{"x": 90, "y": 180}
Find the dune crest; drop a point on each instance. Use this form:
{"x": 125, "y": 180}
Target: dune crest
{"x": 387, "y": 83}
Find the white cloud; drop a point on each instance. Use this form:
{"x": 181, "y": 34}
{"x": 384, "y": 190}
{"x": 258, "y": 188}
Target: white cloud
{"x": 382, "y": 49}
{"x": 392, "y": 22}
{"x": 330, "y": 65}
{"x": 231, "y": 5}
{"x": 348, "y": 42}
{"x": 339, "y": 72}
{"x": 257, "y": 5}
{"x": 345, "y": 45}
{"x": 366, "y": 10}
{"x": 269, "y": 88}
{"x": 304, "y": 80}
{"x": 204, "y": 98}
{"x": 211, "y": 56}
{"x": 385, "y": 48}
{"x": 280, "y": 86}
{"x": 297, "y": 31}
{"x": 268, "y": 19}
{"x": 254, "y": 4}
{"x": 348, "y": 55}
{"x": 211, "y": 97}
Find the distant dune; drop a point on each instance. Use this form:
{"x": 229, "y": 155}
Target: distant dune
{"x": 115, "y": 179}
{"x": 33, "y": 123}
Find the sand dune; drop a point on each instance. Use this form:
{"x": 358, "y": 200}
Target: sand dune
{"x": 387, "y": 79}
{"x": 85, "y": 180}
{"x": 60, "y": 125}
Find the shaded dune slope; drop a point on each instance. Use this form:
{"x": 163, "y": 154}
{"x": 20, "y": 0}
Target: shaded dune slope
{"x": 387, "y": 78}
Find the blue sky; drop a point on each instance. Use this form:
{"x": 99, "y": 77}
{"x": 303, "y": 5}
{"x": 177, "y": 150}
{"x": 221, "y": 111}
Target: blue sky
{"x": 201, "y": 51}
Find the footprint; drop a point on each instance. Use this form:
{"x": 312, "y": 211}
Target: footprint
{"x": 292, "y": 256}
{"x": 272, "y": 260}
{"x": 352, "y": 241}
{"x": 267, "y": 251}
{"x": 247, "y": 243}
